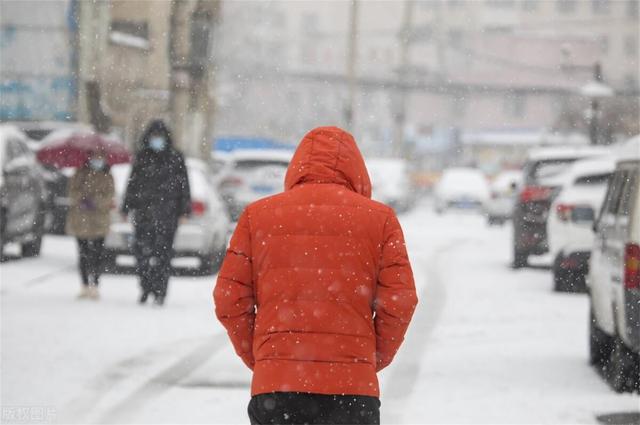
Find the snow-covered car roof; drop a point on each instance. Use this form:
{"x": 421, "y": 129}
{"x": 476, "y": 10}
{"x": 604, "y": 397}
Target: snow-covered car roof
{"x": 587, "y": 167}
{"x": 630, "y": 150}
{"x": 592, "y": 166}
{"x": 262, "y": 154}
{"x": 6, "y": 131}
{"x": 567, "y": 152}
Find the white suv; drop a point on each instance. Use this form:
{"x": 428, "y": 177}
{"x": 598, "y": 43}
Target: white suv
{"x": 614, "y": 276}
{"x": 252, "y": 174}
{"x": 570, "y": 221}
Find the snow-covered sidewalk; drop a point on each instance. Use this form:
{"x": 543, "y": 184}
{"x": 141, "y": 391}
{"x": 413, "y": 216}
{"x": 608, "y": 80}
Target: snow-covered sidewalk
{"x": 487, "y": 344}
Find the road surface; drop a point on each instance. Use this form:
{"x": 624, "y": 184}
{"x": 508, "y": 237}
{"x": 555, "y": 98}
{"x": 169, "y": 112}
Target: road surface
{"x": 488, "y": 344}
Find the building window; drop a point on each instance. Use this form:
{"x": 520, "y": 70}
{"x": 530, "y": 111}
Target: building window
{"x": 515, "y": 105}
{"x": 632, "y": 8}
{"x": 631, "y": 45}
{"x": 631, "y": 82}
{"x": 458, "y": 106}
{"x": 530, "y": 5}
{"x": 501, "y": 4}
{"x": 127, "y": 33}
{"x": 455, "y": 38}
{"x": 601, "y": 7}
{"x": 566, "y": 7}
{"x": 604, "y": 44}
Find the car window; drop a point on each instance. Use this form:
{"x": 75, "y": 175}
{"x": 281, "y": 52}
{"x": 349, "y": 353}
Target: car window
{"x": 629, "y": 189}
{"x": 545, "y": 169}
{"x": 615, "y": 194}
{"x": 594, "y": 180}
{"x": 246, "y": 165}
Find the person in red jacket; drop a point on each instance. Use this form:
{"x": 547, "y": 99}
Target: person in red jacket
{"x": 316, "y": 290}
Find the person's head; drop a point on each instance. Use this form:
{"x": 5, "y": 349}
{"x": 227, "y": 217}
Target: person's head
{"x": 157, "y": 137}
{"x": 329, "y": 155}
{"x": 97, "y": 161}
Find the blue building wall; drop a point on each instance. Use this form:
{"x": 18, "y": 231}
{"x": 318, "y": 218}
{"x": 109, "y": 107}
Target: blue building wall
{"x": 38, "y": 78}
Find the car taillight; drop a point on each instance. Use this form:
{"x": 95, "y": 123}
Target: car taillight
{"x": 198, "y": 207}
{"x": 564, "y": 211}
{"x": 231, "y": 182}
{"x": 632, "y": 266}
{"x": 535, "y": 193}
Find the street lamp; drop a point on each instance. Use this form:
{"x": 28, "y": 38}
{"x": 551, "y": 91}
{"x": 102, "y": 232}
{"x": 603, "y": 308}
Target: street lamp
{"x": 595, "y": 90}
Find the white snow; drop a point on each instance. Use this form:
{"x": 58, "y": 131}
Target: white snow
{"x": 487, "y": 344}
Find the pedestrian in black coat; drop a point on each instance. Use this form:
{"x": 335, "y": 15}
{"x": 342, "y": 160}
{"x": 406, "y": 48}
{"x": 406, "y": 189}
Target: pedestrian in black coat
{"x": 158, "y": 197}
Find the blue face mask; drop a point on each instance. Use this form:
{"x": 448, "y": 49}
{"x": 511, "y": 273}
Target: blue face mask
{"x": 157, "y": 143}
{"x": 97, "y": 163}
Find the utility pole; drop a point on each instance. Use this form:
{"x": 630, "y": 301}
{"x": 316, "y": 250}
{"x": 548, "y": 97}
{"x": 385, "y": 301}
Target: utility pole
{"x": 400, "y": 107}
{"x": 595, "y": 107}
{"x": 351, "y": 65}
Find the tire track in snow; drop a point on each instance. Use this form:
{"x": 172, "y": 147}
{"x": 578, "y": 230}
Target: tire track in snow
{"x": 166, "y": 379}
{"x": 432, "y": 300}
{"x": 116, "y": 395}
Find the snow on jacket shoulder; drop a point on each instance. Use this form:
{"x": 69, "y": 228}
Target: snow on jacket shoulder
{"x": 316, "y": 290}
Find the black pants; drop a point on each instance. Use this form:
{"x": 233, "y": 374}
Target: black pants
{"x": 154, "y": 250}
{"x": 91, "y": 251}
{"x": 303, "y": 408}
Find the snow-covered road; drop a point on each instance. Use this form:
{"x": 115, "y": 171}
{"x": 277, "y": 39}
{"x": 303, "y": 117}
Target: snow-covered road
{"x": 487, "y": 344}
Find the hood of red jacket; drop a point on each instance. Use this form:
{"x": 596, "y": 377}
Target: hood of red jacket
{"x": 329, "y": 155}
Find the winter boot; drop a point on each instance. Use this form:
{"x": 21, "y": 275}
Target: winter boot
{"x": 93, "y": 293}
{"x": 143, "y": 297}
{"x": 159, "y": 300}
{"x": 84, "y": 292}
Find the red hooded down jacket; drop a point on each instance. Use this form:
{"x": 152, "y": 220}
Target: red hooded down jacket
{"x": 316, "y": 290}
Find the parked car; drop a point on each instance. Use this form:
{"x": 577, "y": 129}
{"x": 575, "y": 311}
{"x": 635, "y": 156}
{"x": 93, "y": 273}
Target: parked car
{"x": 614, "y": 276}
{"x": 204, "y": 234}
{"x": 569, "y": 226}
{"x": 252, "y": 174}
{"x": 390, "y": 182}
{"x": 462, "y": 189}
{"x": 542, "y": 177}
{"x": 502, "y": 197}
{"x": 22, "y": 193}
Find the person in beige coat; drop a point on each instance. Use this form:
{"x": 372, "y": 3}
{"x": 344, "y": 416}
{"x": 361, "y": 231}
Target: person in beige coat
{"x": 91, "y": 192}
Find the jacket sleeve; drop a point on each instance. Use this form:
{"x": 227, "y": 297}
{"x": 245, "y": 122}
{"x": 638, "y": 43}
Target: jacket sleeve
{"x": 184, "y": 201}
{"x": 396, "y": 297}
{"x": 129, "y": 202}
{"x": 233, "y": 294}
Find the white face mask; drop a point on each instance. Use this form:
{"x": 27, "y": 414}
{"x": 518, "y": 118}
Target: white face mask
{"x": 97, "y": 163}
{"x": 157, "y": 143}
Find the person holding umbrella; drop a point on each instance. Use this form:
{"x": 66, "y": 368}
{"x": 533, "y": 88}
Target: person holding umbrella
{"x": 157, "y": 196}
{"x": 91, "y": 192}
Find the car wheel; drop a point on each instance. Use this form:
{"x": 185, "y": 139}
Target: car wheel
{"x": 520, "y": 259}
{"x": 32, "y": 249}
{"x": 561, "y": 277}
{"x": 207, "y": 265}
{"x": 622, "y": 371}
{"x": 600, "y": 344}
